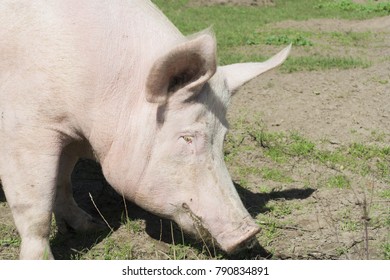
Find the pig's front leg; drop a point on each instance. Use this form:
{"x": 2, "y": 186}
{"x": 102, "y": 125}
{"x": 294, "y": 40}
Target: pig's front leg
{"x": 29, "y": 182}
{"x": 68, "y": 214}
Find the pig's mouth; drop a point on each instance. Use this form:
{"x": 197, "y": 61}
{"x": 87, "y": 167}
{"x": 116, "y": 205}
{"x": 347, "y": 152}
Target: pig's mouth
{"x": 231, "y": 242}
{"x": 202, "y": 232}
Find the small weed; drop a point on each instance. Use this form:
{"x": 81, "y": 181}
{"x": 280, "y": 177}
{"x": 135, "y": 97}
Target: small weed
{"x": 338, "y": 181}
{"x": 297, "y": 40}
{"x": 12, "y": 241}
{"x": 114, "y": 250}
{"x": 385, "y": 194}
{"x": 264, "y": 189}
{"x": 386, "y": 251}
{"x": 350, "y": 38}
{"x": 315, "y": 63}
{"x": 350, "y": 225}
{"x": 275, "y": 175}
{"x": 279, "y": 146}
{"x": 180, "y": 251}
{"x": 243, "y": 182}
{"x": 383, "y": 169}
{"x": 378, "y": 136}
{"x": 279, "y": 210}
{"x": 362, "y": 9}
{"x": 9, "y": 237}
{"x": 347, "y": 222}
{"x": 300, "y": 146}
{"x": 383, "y": 82}
{"x": 269, "y": 230}
{"x": 340, "y": 251}
{"x": 366, "y": 152}
{"x": 134, "y": 226}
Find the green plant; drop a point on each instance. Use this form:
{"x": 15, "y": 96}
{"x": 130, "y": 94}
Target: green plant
{"x": 363, "y": 9}
{"x": 314, "y": 63}
{"x": 386, "y": 251}
{"x": 338, "y": 181}
{"x": 117, "y": 250}
{"x": 275, "y": 175}
{"x": 297, "y": 40}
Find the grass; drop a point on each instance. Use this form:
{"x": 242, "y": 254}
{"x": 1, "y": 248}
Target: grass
{"x": 231, "y": 36}
{"x": 385, "y": 194}
{"x": 275, "y": 175}
{"x": 282, "y": 148}
{"x": 317, "y": 63}
{"x": 360, "y": 9}
{"x": 224, "y": 19}
{"x": 386, "y": 251}
{"x": 8, "y": 236}
{"x": 339, "y": 182}
{"x": 279, "y": 40}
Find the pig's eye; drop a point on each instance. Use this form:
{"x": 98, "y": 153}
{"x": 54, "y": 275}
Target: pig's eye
{"x": 188, "y": 139}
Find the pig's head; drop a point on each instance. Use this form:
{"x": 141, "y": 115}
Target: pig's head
{"x": 185, "y": 178}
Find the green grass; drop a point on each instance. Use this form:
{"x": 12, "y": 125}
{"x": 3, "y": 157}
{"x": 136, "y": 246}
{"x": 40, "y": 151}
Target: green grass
{"x": 231, "y": 36}
{"x": 386, "y": 251}
{"x": 280, "y": 209}
{"x": 385, "y": 194}
{"x": 349, "y": 39}
{"x": 297, "y": 40}
{"x": 117, "y": 249}
{"x": 133, "y": 226}
{"x": 318, "y": 62}
{"x": 9, "y": 241}
{"x": 282, "y": 147}
{"x": 359, "y": 9}
{"x": 269, "y": 230}
{"x": 338, "y": 181}
{"x": 9, "y": 236}
{"x": 275, "y": 175}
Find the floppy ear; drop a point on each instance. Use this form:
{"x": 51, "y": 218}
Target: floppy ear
{"x": 240, "y": 73}
{"x": 189, "y": 65}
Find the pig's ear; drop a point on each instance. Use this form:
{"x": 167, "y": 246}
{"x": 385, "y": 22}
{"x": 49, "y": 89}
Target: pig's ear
{"x": 240, "y": 73}
{"x": 189, "y": 65}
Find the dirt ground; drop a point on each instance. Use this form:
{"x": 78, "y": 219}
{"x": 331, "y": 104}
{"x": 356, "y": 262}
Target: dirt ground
{"x": 343, "y": 106}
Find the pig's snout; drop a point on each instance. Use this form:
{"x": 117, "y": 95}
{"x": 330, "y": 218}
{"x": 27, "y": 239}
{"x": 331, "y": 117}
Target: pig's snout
{"x": 243, "y": 237}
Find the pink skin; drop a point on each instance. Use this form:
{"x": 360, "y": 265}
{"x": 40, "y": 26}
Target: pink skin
{"x": 117, "y": 82}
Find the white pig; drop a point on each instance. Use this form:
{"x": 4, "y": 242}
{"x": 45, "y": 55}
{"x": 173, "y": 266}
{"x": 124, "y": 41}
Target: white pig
{"x": 116, "y": 81}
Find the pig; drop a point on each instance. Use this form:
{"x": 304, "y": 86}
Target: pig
{"x": 116, "y": 81}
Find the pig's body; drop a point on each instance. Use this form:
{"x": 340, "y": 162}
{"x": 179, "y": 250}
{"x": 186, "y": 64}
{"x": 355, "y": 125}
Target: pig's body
{"x": 115, "y": 80}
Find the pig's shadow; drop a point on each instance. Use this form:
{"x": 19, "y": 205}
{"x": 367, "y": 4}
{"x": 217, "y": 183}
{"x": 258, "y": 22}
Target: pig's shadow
{"x": 2, "y": 195}
{"x": 92, "y": 192}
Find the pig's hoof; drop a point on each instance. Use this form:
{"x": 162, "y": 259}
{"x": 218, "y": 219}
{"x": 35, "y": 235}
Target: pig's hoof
{"x": 86, "y": 223}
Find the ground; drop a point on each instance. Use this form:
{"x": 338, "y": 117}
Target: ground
{"x": 308, "y": 150}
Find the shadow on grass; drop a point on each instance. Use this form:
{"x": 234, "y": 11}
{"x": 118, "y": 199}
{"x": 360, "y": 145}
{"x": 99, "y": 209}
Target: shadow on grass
{"x": 2, "y": 195}
{"x": 88, "y": 179}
